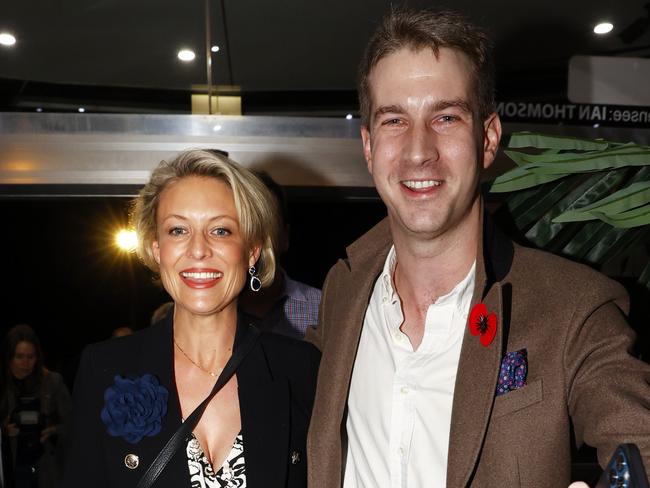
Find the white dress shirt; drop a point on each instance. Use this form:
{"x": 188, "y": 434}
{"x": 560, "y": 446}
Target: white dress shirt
{"x": 400, "y": 400}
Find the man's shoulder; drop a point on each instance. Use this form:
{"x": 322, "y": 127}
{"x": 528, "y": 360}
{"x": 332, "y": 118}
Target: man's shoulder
{"x": 298, "y": 290}
{"x": 376, "y": 238}
{"x": 544, "y": 269}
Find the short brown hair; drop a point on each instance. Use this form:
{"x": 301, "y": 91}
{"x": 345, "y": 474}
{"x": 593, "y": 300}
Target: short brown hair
{"x": 256, "y": 208}
{"x": 430, "y": 29}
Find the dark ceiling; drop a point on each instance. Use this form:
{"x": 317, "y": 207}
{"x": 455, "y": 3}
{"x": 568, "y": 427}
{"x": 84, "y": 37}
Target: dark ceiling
{"x": 286, "y": 56}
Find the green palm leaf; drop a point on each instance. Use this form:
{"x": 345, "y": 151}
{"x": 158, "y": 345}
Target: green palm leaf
{"x": 531, "y": 139}
{"x": 621, "y": 202}
{"x": 587, "y": 199}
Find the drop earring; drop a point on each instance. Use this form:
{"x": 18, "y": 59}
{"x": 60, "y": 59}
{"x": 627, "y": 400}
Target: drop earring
{"x": 255, "y": 282}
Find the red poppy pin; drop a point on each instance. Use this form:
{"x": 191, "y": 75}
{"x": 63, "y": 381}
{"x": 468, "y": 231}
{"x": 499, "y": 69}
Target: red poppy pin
{"x": 484, "y": 323}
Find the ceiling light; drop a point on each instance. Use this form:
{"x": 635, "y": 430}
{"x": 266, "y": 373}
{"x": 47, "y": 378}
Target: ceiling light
{"x": 81, "y": 110}
{"x": 39, "y": 109}
{"x": 348, "y": 117}
{"x": 186, "y": 55}
{"x": 216, "y": 128}
{"x": 214, "y": 49}
{"x": 603, "y": 28}
{"x": 7, "y": 39}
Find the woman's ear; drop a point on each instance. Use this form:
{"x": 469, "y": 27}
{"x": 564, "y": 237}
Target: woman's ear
{"x": 254, "y": 255}
{"x": 155, "y": 250}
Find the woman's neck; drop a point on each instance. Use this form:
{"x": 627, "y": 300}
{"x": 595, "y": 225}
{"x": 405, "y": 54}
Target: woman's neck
{"x": 207, "y": 340}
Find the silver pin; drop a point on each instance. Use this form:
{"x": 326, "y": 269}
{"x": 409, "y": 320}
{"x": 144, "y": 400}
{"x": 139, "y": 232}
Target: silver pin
{"x": 295, "y": 457}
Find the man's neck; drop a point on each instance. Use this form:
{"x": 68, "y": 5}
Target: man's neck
{"x": 430, "y": 268}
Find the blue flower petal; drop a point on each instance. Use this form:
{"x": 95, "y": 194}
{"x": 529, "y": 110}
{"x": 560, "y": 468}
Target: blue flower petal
{"x": 134, "y": 407}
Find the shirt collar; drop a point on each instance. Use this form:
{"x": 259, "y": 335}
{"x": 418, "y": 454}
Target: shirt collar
{"x": 456, "y": 295}
{"x": 386, "y": 277}
{"x": 462, "y": 290}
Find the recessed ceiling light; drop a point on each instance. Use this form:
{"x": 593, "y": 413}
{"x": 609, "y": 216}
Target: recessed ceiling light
{"x": 348, "y": 116}
{"x": 7, "y": 39}
{"x": 39, "y": 109}
{"x": 186, "y": 55}
{"x": 81, "y": 110}
{"x": 603, "y": 28}
{"x": 214, "y": 49}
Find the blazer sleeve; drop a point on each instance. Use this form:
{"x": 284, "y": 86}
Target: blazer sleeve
{"x": 84, "y": 458}
{"x": 608, "y": 389}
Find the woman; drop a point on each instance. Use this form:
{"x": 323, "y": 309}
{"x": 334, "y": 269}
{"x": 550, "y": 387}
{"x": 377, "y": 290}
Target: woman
{"x": 34, "y": 407}
{"x": 205, "y": 226}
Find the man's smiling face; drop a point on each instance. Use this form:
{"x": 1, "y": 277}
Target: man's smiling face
{"x": 424, "y": 147}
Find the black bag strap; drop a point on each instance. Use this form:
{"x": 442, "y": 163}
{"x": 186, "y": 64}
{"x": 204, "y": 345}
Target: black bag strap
{"x": 181, "y": 435}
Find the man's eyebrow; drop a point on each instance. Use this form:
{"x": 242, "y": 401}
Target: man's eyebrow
{"x": 459, "y": 103}
{"x": 388, "y": 109}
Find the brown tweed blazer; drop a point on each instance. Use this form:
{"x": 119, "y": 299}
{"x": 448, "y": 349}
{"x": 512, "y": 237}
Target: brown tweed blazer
{"x": 580, "y": 373}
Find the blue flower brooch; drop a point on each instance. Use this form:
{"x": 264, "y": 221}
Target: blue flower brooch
{"x": 134, "y": 407}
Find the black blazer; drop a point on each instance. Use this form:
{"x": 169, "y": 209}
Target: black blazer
{"x": 276, "y": 382}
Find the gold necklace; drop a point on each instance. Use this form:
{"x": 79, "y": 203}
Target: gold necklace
{"x": 211, "y": 373}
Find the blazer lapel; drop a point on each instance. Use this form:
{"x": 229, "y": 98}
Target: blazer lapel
{"x": 366, "y": 259}
{"x": 478, "y": 368}
{"x": 345, "y": 314}
{"x": 265, "y": 415}
{"x": 478, "y": 372}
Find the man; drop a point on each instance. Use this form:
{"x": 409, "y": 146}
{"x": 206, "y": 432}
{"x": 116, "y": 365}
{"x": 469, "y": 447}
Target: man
{"x": 451, "y": 356}
{"x": 288, "y": 307}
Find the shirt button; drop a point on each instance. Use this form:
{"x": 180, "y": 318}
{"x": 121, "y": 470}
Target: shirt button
{"x": 401, "y": 451}
{"x": 404, "y": 391}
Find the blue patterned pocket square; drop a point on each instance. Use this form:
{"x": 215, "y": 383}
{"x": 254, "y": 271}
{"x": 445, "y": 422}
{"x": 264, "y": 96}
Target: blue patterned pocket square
{"x": 512, "y": 375}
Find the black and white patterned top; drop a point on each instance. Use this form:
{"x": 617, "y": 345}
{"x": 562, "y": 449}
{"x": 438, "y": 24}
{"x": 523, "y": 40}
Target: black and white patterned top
{"x": 232, "y": 474}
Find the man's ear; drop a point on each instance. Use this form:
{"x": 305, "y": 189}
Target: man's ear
{"x": 367, "y": 152}
{"x": 491, "y": 138}
{"x": 155, "y": 250}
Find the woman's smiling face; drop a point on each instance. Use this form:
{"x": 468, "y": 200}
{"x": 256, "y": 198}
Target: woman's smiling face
{"x": 202, "y": 256}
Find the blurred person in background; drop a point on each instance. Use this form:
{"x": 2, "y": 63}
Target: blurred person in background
{"x": 122, "y": 331}
{"x": 34, "y": 407}
{"x": 161, "y": 312}
{"x": 287, "y": 306}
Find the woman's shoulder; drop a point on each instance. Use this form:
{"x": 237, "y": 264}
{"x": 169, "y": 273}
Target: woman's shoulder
{"x": 285, "y": 344}
{"x": 124, "y": 348}
{"x": 294, "y": 356}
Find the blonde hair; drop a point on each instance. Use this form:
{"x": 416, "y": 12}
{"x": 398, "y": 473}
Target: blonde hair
{"x": 256, "y": 207}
